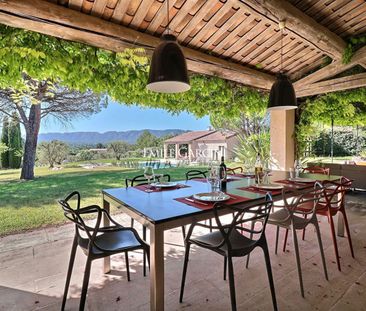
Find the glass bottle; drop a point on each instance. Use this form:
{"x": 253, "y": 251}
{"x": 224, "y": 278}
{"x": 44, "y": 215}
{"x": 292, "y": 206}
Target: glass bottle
{"x": 258, "y": 170}
{"x": 223, "y": 174}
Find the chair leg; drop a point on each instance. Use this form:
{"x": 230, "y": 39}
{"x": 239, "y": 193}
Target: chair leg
{"x": 298, "y": 263}
{"x": 185, "y": 266}
{"x": 85, "y": 284}
{"x": 334, "y": 238}
{"x": 316, "y": 225}
{"x": 285, "y": 241}
{"x": 144, "y": 252}
{"x": 127, "y": 267}
{"x": 210, "y": 223}
{"x": 231, "y": 283}
{"x": 251, "y": 236}
{"x": 304, "y": 230}
{"x": 269, "y": 273}
{"x": 184, "y": 232}
{"x": 348, "y": 232}
{"x": 69, "y": 272}
{"x": 225, "y": 267}
{"x": 277, "y": 234}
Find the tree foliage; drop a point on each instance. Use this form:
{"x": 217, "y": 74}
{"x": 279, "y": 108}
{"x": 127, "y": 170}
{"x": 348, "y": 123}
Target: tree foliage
{"x": 5, "y": 143}
{"x": 15, "y": 143}
{"x": 146, "y": 139}
{"x": 346, "y": 108}
{"x": 122, "y": 76}
{"x": 119, "y": 148}
{"x": 53, "y": 152}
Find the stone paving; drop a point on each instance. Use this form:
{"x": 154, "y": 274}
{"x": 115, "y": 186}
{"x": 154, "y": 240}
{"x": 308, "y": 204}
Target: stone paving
{"x": 33, "y": 268}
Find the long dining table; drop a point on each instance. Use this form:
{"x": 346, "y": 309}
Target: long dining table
{"x": 160, "y": 211}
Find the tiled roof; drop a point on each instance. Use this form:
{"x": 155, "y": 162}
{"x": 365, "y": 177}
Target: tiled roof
{"x": 189, "y": 136}
{"x": 202, "y": 136}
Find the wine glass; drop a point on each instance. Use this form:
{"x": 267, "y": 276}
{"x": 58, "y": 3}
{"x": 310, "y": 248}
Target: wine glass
{"x": 148, "y": 173}
{"x": 213, "y": 178}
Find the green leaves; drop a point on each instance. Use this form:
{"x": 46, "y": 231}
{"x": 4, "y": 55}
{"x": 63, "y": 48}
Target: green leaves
{"x": 122, "y": 76}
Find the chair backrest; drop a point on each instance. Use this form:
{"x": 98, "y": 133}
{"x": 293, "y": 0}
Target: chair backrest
{"x": 234, "y": 170}
{"x": 191, "y": 174}
{"x": 77, "y": 214}
{"x": 257, "y": 212}
{"x": 303, "y": 202}
{"x": 335, "y": 192}
{"x": 316, "y": 170}
{"x": 141, "y": 180}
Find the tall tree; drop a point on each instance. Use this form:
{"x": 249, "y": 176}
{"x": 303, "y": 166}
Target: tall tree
{"x": 53, "y": 152}
{"x": 5, "y": 142}
{"x": 119, "y": 148}
{"x": 146, "y": 139}
{"x": 41, "y": 99}
{"x": 15, "y": 143}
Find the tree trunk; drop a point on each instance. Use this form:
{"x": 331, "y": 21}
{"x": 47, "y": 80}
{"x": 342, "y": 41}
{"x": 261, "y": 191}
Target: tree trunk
{"x": 31, "y": 137}
{"x": 332, "y": 141}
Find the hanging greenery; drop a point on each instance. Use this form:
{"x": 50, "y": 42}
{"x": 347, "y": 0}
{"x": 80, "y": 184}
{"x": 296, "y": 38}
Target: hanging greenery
{"x": 346, "y": 108}
{"x": 122, "y": 76}
{"x": 353, "y": 45}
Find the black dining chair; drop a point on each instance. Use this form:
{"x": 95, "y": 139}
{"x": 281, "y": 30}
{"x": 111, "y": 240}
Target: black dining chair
{"x": 192, "y": 174}
{"x": 142, "y": 180}
{"x": 228, "y": 240}
{"x": 96, "y": 241}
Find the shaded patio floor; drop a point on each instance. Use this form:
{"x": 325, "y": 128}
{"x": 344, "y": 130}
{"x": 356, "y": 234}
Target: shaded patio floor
{"x": 33, "y": 268}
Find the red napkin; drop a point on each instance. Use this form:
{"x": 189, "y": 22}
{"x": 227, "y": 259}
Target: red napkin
{"x": 208, "y": 205}
{"x": 262, "y": 191}
{"x": 291, "y": 184}
{"x": 147, "y": 188}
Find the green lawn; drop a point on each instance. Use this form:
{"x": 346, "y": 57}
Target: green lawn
{"x": 33, "y": 204}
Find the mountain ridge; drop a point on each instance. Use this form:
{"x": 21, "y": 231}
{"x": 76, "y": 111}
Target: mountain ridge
{"x": 88, "y": 137}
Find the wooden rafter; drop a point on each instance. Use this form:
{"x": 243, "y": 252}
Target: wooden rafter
{"x": 301, "y": 24}
{"x": 331, "y": 70}
{"x": 68, "y": 24}
{"x": 333, "y": 85}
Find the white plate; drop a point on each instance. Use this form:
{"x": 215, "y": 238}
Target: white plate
{"x": 302, "y": 179}
{"x": 166, "y": 184}
{"x": 211, "y": 196}
{"x": 269, "y": 186}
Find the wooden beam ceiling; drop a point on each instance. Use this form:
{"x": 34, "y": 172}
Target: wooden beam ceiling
{"x": 61, "y": 22}
{"x": 301, "y": 24}
{"x": 329, "y": 71}
{"x": 333, "y": 85}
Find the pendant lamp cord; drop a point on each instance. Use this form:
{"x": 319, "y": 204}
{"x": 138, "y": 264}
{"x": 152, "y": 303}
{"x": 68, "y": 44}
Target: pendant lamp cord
{"x": 168, "y": 18}
{"x": 281, "y": 50}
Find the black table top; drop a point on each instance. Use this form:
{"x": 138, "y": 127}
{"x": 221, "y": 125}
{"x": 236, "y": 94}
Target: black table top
{"x": 158, "y": 207}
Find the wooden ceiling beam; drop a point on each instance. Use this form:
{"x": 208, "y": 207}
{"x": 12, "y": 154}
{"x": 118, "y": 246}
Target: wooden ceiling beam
{"x": 333, "y": 85}
{"x": 301, "y": 24}
{"x": 332, "y": 69}
{"x": 61, "y": 22}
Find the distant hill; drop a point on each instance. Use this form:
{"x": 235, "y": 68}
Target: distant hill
{"x": 79, "y": 138}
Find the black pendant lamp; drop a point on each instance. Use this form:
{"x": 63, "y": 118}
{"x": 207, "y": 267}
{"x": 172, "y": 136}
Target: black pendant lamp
{"x": 168, "y": 69}
{"x": 282, "y": 95}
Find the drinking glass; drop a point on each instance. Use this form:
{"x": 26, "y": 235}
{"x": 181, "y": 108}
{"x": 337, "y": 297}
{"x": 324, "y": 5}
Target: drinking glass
{"x": 213, "y": 178}
{"x": 148, "y": 174}
{"x": 292, "y": 173}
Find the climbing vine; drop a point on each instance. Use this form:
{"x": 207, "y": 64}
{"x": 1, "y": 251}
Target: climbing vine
{"x": 346, "y": 108}
{"x": 122, "y": 76}
{"x": 353, "y": 45}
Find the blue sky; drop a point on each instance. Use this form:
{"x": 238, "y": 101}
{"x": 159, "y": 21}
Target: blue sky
{"x": 117, "y": 117}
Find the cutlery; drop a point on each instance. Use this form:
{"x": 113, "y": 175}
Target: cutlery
{"x": 193, "y": 201}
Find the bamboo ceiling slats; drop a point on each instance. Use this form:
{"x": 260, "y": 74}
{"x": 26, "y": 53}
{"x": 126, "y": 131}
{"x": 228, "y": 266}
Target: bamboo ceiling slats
{"x": 226, "y": 28}
{"x": 343, "y": 17}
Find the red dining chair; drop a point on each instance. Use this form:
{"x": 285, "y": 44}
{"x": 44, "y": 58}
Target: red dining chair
{"x": 334, "y": 203}
{"x": 316, "y": 170}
